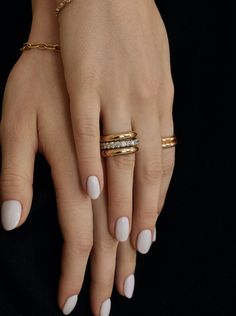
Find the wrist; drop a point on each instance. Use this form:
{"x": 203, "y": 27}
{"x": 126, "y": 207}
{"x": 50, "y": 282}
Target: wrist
{"x": 44, "y": 23}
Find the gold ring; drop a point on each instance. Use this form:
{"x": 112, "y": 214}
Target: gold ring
{"x": 118, "y": 136}
{"x": 119, "y": 144}
{"x": 119, "y": 151}
{"x": 168, "y": 142}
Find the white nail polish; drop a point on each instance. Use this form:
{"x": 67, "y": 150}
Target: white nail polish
{"x": 70, "y": 304}
{"x": 144, "y": 241}
{"x": 105, "y": 308}
{"x": 93, "y": 187}
{"x": 122, "y": 229}
{"x": 129, "y": 286}
{"x": 154, "y": 234}
{"x": 10, "y": 214}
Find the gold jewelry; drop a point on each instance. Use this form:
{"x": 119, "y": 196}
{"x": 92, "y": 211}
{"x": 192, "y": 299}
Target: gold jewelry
{"x": 118, "y": 136}
{"x": 119, "y": 144}
{"x": 43, "y": 46}
{"x": 118, "y": 152}
{"x": 168, "y": 142}
{"x": 62, "y": 5}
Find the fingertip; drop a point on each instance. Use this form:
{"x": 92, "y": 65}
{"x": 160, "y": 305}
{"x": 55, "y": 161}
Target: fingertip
{"x": 70, "y": 304}
{"x": 11, "y": 211}
{"x": 105, "y": 308}
{"x": 129, "y": 285}
{"x": 93, "y": 187}
{"x": 144, "y": 241}
{"x": 122, "y": 229}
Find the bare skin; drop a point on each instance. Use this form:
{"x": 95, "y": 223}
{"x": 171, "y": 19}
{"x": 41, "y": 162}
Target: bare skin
{"x": 117, "y": 69}
{"x": 116, "y": 64}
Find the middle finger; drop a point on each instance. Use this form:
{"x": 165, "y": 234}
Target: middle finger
{"x": 120, "y": 178}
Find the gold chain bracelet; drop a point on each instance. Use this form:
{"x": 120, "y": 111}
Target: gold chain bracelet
{"x": 62, "y": 5}
{"x": 43, "y": 46}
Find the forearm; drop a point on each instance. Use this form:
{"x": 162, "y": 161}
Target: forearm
{"x": 44, "y": 25}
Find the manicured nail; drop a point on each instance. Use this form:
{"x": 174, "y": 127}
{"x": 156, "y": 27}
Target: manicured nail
{"x": 105, "y": 308}
{"x": 10, "y": 214}
{"x": 154, "y": 234}
{"x": 129, "y": 286}
{"x": 144, "y": 241}
{"x": 122, "y": 229}
{"x": 70, "y": 304}
{"x": 93, "y": 187}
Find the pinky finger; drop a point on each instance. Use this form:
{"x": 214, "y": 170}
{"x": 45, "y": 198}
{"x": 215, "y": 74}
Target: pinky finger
{"x": 125, "y": 268}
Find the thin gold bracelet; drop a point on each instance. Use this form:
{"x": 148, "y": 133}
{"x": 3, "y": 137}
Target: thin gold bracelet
{"x": 43, "y": 46}
{"x": 62, "y": 5}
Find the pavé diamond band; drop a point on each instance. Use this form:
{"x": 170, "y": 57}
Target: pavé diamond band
{"x": 119, "y": 144}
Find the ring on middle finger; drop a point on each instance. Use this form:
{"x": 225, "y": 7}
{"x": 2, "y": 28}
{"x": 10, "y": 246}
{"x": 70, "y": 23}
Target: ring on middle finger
{"x": 119, "y": 144}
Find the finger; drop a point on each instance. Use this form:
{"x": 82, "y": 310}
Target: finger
{"x": 120, "y": 171}
{"x": 74, "y": 212}
{"x": 103, "y": 260}
{"x": 125, "y": 268}
{"x": 19, "y": 145}
{"x": 85, "y": 120}
{"x": 148, "y": 171}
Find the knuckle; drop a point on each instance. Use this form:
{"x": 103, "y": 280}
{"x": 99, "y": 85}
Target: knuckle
{"x": 147, "y": 91}
{"x": 108, "y": 244}
{"x": 103, "y": 282}
{"x": 80, "y": 245}
{"x": 150, "y": 214}
{"x": 120, "y": 203}
{"x": 85, "y": 245}
{"x": 86, "y": 129}
{"x": 124, "y": 162}
{"x": 11, "y": 179}
{"x": 152, "y": 171}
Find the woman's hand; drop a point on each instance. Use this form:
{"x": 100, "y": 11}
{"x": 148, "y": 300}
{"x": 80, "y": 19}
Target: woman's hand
{"x": 117, "y": 70}
{"x": 36, "y": 118}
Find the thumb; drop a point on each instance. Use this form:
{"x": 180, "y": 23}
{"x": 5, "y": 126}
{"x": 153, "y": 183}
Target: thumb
{"x": 18, "y": 146}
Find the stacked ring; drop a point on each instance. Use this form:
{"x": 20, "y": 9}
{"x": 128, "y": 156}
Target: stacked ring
{"x": 168, "y": 142}
{"x": 127, "y": 143}
{"x": 119, "y": 144}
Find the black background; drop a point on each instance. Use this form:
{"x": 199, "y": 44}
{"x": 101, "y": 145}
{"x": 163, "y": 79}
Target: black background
{"x": 191, "y": 268}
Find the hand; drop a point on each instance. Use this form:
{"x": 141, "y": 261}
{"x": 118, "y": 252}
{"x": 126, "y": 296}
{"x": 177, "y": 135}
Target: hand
{"x": 117, "y": 69}
{"x": 36, "y": 117}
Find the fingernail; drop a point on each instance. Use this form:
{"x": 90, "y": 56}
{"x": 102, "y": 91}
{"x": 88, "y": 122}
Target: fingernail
{"x": 105, "y": 308}
{"x": 93, "y": 187}
{"x": 154, "y": 234}
{"x": 122, "y": 229}
{"x": 70, "y": 304}
{"x": 144, "y": 241}
{"x": 129, "y": 286}
{"x": 10, "y": 214}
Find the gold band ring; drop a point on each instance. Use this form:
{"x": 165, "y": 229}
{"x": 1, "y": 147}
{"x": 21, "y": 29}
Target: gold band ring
{"x": 119, "y": 151}
{"x": 118, "y": 136}
{"x": 168, "y": 142}
{"x": 119, "y": 144}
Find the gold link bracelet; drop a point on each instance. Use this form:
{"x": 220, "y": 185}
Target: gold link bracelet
{"x": 62, "y": 5}
{"x": 42, "y": 46}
